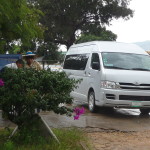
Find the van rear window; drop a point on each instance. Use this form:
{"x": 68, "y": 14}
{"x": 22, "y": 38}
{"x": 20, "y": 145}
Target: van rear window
{"x": 76, "y": 62}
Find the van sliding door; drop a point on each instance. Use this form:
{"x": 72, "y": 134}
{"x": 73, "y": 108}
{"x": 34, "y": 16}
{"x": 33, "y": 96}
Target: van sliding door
{"x": 75, "y": 67}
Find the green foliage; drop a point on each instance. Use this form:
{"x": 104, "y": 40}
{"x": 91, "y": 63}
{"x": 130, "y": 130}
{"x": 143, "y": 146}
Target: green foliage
{"x": 71, "y": 137}
{"x": 63, "y": 19}
{"x": 14, "y": 49}
{"x": 49, "y": 50}
{"x": 32, "y": 132}
{"x": 25, "y": 90}
{"x": 32, "y": 47}
{"x": 94, "y": 32}
{"x": 2, "y": 44}
{"x": 69, "y": 140}
{"x": 86, "y": 38}
{"x": 18, "y": 21}
{"x": 9, "y": 145}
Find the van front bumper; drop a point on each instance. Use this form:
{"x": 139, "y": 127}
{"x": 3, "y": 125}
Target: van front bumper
{"x": 126, "y": 98}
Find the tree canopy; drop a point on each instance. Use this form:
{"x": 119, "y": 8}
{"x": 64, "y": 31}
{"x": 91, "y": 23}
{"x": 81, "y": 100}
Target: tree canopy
{"x": 18, "y": 21}
{"x": 64, "y": 18}
{"x": 64, "y": 21}
{"x": 92, "y": 34}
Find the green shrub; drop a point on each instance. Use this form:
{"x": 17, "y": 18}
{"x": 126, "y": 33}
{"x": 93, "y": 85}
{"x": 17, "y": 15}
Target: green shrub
{"x": 9, "y": 145}
{"x": 25, "y": 90}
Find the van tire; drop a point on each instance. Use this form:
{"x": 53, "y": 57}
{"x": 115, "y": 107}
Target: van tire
{"x": 145, "y": 111}
{"x": 91, "y": 102}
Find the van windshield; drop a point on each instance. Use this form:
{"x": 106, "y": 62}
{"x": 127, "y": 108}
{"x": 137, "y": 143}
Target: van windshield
{"x": 126, "y": 61}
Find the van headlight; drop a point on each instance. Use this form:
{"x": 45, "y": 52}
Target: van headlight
{"x": 109, "y": 85}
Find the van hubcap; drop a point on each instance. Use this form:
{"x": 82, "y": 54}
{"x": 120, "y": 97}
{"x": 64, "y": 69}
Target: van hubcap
{"x": 91, "y": 101}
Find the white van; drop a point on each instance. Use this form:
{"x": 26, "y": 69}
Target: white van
{"x": 113, "y": 74}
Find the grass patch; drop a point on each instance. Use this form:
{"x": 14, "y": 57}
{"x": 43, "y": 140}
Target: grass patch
{"x": 70, "y": 139}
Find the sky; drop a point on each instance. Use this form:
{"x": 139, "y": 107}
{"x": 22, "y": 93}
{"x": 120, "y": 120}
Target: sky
{"x": 136, "y": 29}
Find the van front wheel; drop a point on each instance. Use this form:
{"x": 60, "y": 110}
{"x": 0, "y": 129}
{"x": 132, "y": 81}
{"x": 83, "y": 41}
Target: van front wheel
{"x": 91, "y": 102}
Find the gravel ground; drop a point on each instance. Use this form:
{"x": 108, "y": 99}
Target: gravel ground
{"x": 116, "y": 140}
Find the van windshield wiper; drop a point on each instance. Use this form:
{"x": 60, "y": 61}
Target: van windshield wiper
{"x": 142, "y": 69}
{"x": 115, "y": 67}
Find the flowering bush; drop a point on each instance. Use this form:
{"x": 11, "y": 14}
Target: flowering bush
{"x": 24, "y": 90}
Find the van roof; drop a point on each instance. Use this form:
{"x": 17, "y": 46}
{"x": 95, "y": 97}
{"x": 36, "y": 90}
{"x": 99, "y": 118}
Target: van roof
{"x": 106, "y": 46}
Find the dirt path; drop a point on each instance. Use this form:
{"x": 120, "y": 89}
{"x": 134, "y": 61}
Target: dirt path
{"x": 116, "y": 140}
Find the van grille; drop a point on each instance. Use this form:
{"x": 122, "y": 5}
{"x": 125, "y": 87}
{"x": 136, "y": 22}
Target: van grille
{"x": 134, "y": 98}
{"x": 110, "y": 96}
{"x": 134, "y": 86}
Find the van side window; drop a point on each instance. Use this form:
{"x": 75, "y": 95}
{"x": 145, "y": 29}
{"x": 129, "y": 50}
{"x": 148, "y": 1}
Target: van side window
{"x": 95, "y": 63}
{"x": 76, "y": 62}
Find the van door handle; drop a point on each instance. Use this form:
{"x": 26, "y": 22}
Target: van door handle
{"x": 89, "y": 74}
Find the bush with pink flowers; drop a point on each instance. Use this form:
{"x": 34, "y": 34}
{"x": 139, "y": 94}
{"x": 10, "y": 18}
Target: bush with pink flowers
{"x": 24, "y": 90}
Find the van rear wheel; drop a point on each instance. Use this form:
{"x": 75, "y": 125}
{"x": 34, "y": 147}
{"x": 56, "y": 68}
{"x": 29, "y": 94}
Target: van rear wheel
{"x": 145, "y": 111}
{"x": 91, "y": 101}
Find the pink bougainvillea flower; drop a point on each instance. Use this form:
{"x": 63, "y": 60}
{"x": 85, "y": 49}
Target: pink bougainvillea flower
{"x": 1, "y": 82}
{"x": 82, "y": 110}
{"x": 76, "y": 117}
{"x": 78, "y": 112}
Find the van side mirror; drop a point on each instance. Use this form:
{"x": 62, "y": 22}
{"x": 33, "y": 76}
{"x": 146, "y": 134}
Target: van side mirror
{"x": 96, "y": 65}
